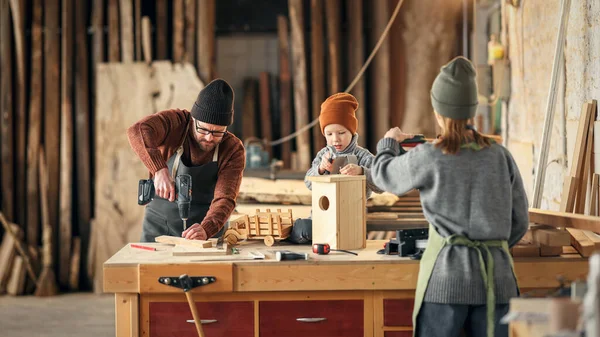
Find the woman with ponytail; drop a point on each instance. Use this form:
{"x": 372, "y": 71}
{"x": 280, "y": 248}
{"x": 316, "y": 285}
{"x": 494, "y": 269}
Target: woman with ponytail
{"x": 473, "y": 197}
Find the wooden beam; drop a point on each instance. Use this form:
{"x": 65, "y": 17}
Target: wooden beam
{"x": 265, "y": 109}
{"x": 356, "y": 57}
{"x": 66, "y": 145}
{"x": 587, "y": 168}
{"x": 190, "y": 31}
{"x": 564, "y": 219}
{"x": 126, "y": 23}
{"x": 381, "y": 71}
{"x": 206, "y": 40}
{"x": 114, "y": 48}
{"x": 6, "y": 112}
{"x": 317, "y": 67}
{"x": 581, "y": 242}
{"x": 333, "y": 12}
{"x": 138, "y": 29}
{"x": 146, "y": 40}
{"x": 162, "y": 29}
{"x": 569, "y": 192}
{"x": 249, "y": 127}
{"x": 178, "y": 31}
{"x": 593, "y": 207}
{"x": 35, "y": 124}
{"x": 98, "y": 28}
{"x": 82, "y": 136}
{"x": 285, "y": 106}
{"x": 296, "y": 12}
{"x": 17, "y": 11}
{"x": 397, "y": 70}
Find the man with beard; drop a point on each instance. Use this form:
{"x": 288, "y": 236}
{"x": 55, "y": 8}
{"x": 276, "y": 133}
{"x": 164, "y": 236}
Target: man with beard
{"x": 196, "y": 142}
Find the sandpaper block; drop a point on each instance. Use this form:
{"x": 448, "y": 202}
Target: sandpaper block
{"x": 176, "y": 240}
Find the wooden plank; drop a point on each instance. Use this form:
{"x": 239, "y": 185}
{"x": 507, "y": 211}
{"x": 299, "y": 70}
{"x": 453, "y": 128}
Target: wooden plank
{"x": 333, "y": 13}
{"x": 114, "y": 47}
{"x": 581, "y": 242}
{"x": 257, "y": 190}
{"x": 126, "y": 22}
{"x": 175, "y": 240}
{"x": 138, "y": 29}
{"x": 17, "y": 11}
{"x": 356, "y": 57}
{"x": 82, "y": 136}
{"x": 296, "y": 13}
{"x": 265, "y": 110}
{"x": 35, "y": 125}
{"x": 52, "y": 45}
{"x": 75, "y": 262}
{"x": 551, "y": 250}
{"x": 285, "y": 106}
{"x": 7, "y": 113}
{"x": 317, "y": 70}
{"x": 183, "y": 250}
{"x": 66, "y": 143}
{"x": 550, "y": 236}
{"x": 178, "y": 31}
{"x": 569, "y": 193}
{"x": 206, "y": 40}
{"x": 586, "y": 169}
{"x": 16, "y": 283}
{"x": 8, "y": 251}
{"x": 146, "y": 40}
{"x": 564, "y": 219}
{"x": 97, "y": 22}
{"x": 520, "y": 250}
{"x": 162, "y": 29}
{"x": 593, "y": 206}
{"x": 397, "y": 70}
{"x": 593, "y": 237}
{"x": 380, "y": 71}
{"x": 249, "y": 127}
{"x": 190, "y": 31}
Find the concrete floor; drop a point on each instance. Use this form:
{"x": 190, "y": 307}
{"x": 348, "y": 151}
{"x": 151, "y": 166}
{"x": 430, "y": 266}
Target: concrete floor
{"x": 77, "y": 314}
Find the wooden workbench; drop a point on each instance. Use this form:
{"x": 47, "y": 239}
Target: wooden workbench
{"x": 338, "y": 294}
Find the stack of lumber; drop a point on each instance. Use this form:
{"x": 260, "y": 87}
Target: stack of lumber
{"x": 576, "y": 224}
{"x": 395, "y": 212}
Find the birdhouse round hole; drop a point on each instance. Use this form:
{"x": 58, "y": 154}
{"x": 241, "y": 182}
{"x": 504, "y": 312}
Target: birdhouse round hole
{"x": 324, "y": 203}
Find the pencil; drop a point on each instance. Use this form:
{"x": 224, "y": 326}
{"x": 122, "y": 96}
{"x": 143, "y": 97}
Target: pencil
{"x": 133, "y": 245}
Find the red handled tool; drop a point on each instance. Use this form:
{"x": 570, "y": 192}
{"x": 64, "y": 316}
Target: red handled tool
{"x": 324, "y": 249}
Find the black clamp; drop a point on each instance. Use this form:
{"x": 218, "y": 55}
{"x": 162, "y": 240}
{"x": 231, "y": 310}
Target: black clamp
{"x": 186, "y": 282}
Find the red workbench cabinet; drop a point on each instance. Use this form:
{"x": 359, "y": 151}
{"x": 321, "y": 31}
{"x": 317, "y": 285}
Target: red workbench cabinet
{"x": 219, "y": 319}
{"x": 322, "y": 318}
{"x": 398, "y": 311}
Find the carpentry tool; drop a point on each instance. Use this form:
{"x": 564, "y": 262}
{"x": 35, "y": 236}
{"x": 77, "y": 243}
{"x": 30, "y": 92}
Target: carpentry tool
{"x": 286, "y": 255}
{"x": 183, "y": 188}
{"x": 188, "y": 284}
{"x": 133, "y": 245}
{"x": 407, "y": 243}
{"x": 324, "y": 249}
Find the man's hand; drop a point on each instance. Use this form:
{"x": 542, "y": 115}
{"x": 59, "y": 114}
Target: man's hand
{"x": 398, "y": 135}
{"x": 164, "y": 185}
{"x": 195, "y": 232}
{"x": 352, "y": 170}
{"x": 325, "y": 165}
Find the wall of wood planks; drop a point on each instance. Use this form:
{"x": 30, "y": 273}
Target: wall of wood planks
{"x": 48, "y": 96}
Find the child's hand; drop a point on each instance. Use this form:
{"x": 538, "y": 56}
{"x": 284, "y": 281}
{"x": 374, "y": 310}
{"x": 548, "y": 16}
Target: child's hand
{"x": 352, "y": 170}
{"x": 325, "y": 165}
{"x": 398, "y": 135}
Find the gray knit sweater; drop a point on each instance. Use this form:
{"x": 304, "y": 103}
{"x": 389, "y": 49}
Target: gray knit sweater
{"x": 475, "y": 193}
{"x": 364, "y": 157}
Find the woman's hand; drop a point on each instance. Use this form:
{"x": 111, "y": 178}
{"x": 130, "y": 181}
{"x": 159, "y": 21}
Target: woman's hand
{"x": 325, "y": 164}
{"x": 398, "y": 135}
{"x": 352, "y": 170}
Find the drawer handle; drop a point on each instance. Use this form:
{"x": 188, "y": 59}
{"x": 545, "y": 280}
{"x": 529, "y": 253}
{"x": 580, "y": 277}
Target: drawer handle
{"x": 311, "y": 319}
{"x": 203, "y": 321}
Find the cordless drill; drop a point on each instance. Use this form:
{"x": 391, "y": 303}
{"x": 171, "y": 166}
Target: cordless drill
{"x": 183, "y": 188}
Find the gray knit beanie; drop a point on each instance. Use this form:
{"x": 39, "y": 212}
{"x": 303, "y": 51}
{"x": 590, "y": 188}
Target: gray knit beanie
{"x": 214, "y": 104}
{"x": 454, "y": 91}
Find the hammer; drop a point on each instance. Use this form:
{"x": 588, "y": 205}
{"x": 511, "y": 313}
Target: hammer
{"x": 187, "y": 284}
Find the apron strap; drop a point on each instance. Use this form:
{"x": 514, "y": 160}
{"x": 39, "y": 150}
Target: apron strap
{"x": 487, "y": 272}
{"x": 179, "y": 152}
{"x": 216, "y": 154}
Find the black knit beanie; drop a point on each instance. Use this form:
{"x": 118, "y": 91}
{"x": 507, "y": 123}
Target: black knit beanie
{"x": 214, "y": 104}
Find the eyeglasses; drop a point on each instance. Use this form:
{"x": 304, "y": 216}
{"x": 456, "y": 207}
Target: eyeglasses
{"x": 205, "y": 132}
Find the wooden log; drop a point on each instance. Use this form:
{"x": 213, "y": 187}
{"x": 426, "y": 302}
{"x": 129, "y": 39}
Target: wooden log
{"x": 17, "y": 11}
{"x": 178, "y": 31}
{"x": 317, "y": 70}
{"x": 564, "y": 219}
{"x": 97, "y": 22}
{"x": 126, "y": 22}
{"x": 333, "y": 12}
{"x": 138, "y": 29}
{"x": 285, "y": 106}
{"x": 397, "y": 70}
{"x": 82, "y": 136}
{"x": 206, "y": 40}
{"x": 6, "y": 112}
{"x": 35, "y": 125}
{"x": 162, "y": 29}
{"x": 249, "y": 127}
{"x": 356, "y": 57}
{"x": 66, "y": 145}
{"x": 16, "y": 283}
{"x": 265, "y": 109}
{"x": 190, "y": 31}
{"x": 300, "y": 86}
{"x": 381, "y": 71}
{"x": 114, "y": 48}
{"x": 75, "y": 262}
{"x": 52, "y": 49}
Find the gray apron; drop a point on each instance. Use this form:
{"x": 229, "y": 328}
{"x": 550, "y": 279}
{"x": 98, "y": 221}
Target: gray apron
{"x": 161, "y": 216}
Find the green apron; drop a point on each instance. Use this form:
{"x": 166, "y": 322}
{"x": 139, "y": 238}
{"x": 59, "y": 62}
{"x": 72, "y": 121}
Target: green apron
{"x": 435, "y": 244}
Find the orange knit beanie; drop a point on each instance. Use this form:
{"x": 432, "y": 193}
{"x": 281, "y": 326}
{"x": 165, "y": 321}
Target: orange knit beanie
{"x": 340, "y": 109}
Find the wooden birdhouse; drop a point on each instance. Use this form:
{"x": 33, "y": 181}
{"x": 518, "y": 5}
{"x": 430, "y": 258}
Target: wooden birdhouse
{"x": 339, "y": 211}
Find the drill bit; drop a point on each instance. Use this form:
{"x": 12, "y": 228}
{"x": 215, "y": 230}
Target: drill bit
{"x": 184, "y": 224}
